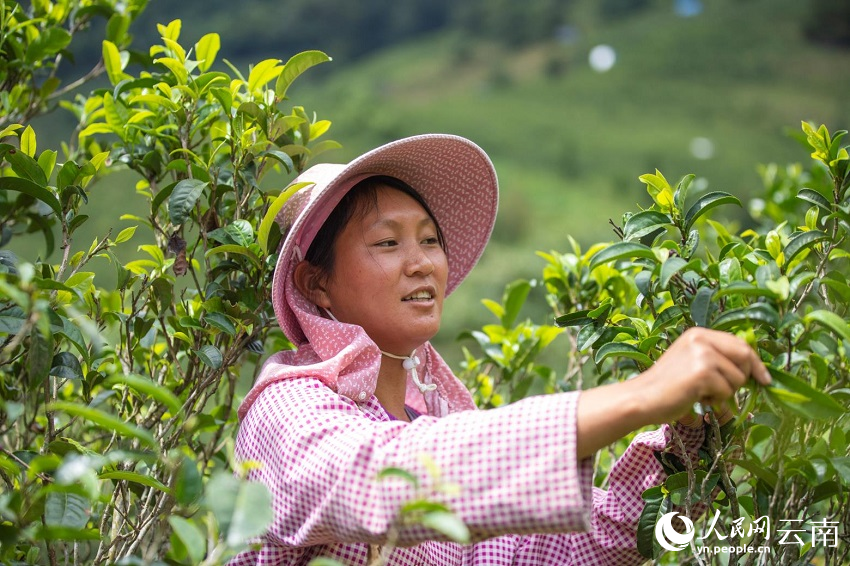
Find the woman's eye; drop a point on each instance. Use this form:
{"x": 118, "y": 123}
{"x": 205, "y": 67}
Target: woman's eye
{"x": 386, "y": 243}
{"x": 432, "y": 241}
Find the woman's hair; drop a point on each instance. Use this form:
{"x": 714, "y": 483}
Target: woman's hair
{"x": 356, "y": 203}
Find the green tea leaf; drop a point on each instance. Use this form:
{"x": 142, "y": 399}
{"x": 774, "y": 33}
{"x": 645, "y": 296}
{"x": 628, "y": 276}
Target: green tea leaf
{"x": 621, "y": 350}
{"x": 210, "y": 355}
{"x": 125, "y": 234}
{"x": 49, "y": 42}
{"x": 802, "y": 241}
{"x": 669, "y": 268}
{"x": 589, "y": 334}
{"x": 743, "y": 289}
{"x": 665, "y": 317}
{"x": 761, "y": 313}
{"x": 252, "y": 513}
{"x": 113, "y": 62}
{"x": 701, "y": 306}
{"x": 621, "y": 250}
{"x": 65, "y": 365}
{"x": 243, "y": 509}
{"x": 578, "y": 318}
{"x": 182, "y": 199}
{"x": 191, "y": 537}
{"x": 644, "y": 223}
{"x": 830, "y": 320}
{"x": 24, "y": 166}
{"x": 66, "y": 534}
{"x": 706, "y": 203}
{"x": 447, "y": 524}
{"x": 68, "y": 510}
{"x": 263, "y": 72}
{"x": 293, "y": 68}
{"x": 842, "y": 468}
{"x": 39, "y": 355}
{"x": 135, "y": 477}
{"x": 116, "y": 28}
{"x": 272, "y": 212}
{"x": 515, "y": 296}
{"x": 104, "y": 420}
{"x": 148, "y": 388}
{"x": 814, "y": 197}
{"x": 678, "y": 485}
{"x": 220, "y": 321}
{"x": 233, "y": 249}
{"x": 47, "y": 162}
{"x": 802, "y": 398}
{"x": 657, "y": 504}
{"x": 765, "y": 474}
{"x": 188, "y": 485}
{"x": 206, "y": 50}
{"x": 28, "y": 142}
{"x": 177, "y": 68}
{"x": 238, "y": 232}
{"x": 392, "y": 472}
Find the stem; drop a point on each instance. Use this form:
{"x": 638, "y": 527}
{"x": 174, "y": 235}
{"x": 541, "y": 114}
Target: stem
{"x": 729, "y": 487}
{"x": 66, "y": 253}
{"x": 95, "y": 71}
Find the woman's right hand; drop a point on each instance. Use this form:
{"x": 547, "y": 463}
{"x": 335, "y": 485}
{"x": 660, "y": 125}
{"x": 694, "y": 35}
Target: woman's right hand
{"x": 702, "y": 366}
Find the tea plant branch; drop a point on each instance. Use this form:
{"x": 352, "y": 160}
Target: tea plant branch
{"x": 689, "y": 468}
{"x": 92, "y": 74}
{"x": 18, "y": 339}
{"x": 66, "y": 251}
{"x": 162, "y": 506}
{"x": 12, "y": 456}
{"x": 101, "y": 246}
{"x": 729, "y": 487}
{"x": 820, "y": 270}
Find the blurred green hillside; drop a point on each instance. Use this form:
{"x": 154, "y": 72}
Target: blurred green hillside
{"x": 708, "y": 88}
{"x": 569, "y": 143}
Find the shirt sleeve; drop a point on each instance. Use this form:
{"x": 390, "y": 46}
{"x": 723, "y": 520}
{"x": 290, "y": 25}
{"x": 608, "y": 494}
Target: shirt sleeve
{"x": 514, "y": 468}
{"x": 612, "y": 538}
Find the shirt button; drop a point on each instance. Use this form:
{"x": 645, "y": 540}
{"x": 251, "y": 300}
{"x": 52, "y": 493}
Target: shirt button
{"x": 362, "y": 396}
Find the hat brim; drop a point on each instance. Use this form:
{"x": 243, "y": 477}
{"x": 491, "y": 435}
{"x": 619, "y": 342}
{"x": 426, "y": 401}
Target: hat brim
{"x": 452, "y": 174}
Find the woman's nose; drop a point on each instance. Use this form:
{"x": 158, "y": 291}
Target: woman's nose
{"x": 419, "y": 262}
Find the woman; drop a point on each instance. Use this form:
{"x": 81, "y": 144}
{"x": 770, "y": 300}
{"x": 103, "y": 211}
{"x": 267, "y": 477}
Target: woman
{"x": 371, "y": 250}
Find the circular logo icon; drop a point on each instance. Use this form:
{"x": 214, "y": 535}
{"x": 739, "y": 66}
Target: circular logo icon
{"x": 668, "y": 537}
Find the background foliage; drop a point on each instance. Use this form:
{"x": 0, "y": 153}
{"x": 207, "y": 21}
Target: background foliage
{"x": 118, "y": 389}
{"x": 567, "y": 141}
{"x": 118, "y": 401}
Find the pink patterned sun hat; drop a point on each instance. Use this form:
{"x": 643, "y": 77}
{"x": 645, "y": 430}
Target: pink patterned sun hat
{"x": 452, "y": 174}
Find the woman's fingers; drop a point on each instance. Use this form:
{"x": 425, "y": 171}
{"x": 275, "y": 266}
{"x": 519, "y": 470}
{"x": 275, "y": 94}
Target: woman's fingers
{"x": 703, "y": 366}
{"x": 724, "y": 413}
{"x": 722, "y": 381}
{"x": 741, "y": 354}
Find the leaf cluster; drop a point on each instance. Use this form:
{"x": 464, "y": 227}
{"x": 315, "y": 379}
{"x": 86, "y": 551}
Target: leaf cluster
{"x": 117, "y": 402}
{"x": 780, "y": 284}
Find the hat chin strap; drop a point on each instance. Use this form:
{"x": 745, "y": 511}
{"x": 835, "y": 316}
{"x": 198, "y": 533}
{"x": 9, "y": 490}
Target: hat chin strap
{"x": 408, "y": 362}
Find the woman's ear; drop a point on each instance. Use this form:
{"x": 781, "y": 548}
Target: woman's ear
{"x": 310, "y": 281}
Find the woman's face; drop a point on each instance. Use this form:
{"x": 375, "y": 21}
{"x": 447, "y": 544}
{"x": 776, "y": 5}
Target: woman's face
{"x": 389, "y": 273}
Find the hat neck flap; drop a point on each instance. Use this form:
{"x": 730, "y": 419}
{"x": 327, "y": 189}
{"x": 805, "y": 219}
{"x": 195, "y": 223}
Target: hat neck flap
{"x": 344, "y": 358}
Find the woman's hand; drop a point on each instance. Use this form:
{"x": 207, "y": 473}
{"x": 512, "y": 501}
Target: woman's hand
{"x": 702, "y": 366}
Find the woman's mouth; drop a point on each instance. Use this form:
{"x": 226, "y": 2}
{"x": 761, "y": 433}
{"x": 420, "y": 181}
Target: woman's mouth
{"x": 419, "y": 296}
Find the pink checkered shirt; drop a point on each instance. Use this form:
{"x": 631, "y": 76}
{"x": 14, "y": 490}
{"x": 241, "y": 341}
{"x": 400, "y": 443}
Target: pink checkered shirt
{"x": 523, "y": 495}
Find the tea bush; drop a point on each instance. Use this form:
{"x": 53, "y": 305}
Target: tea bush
{"x": 117, "y": 403}
{"x": 780, "y": 283}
